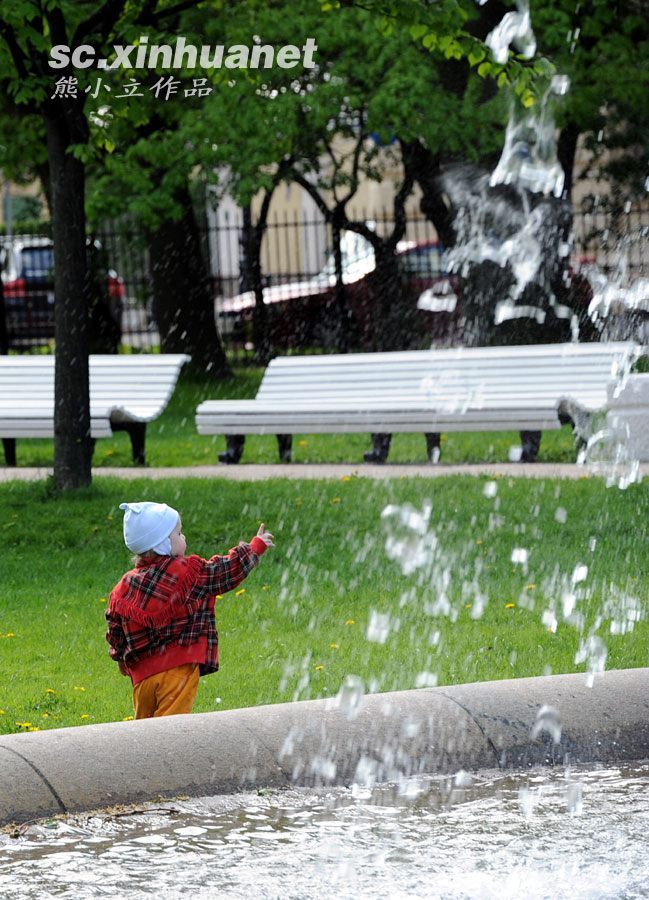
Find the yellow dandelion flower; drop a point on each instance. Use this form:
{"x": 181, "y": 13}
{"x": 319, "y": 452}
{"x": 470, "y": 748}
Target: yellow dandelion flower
{"x": 46, "y": 715}
{"x": 2, "y": 712}
{"x": 530, "y": 587}
{"x": 127, "y": 719}
{"x": 467, "y": 606}
{"x": 509, "y": 605}
{"x": 219, "y": 597}
{"x": 24, "y": 724}
{"x": 350, "y": 622}
{"x": 9, "y": 634}
{"x": 239, "y": 593}
{"x": 319, "y": 668}
{"x": 103, "y": 599}
{"x": 336, "y": 500}
{"x": 479, "y": 541}
{"x": 50, "y": 691}
{"x": 334, "y": 646}
{"x": 79, "y": 687}
{"x": 346, "y": 478}
{"x": 33, "y": 728}
{"x": 265, "y": 587}
{"x": 84, "y": 716}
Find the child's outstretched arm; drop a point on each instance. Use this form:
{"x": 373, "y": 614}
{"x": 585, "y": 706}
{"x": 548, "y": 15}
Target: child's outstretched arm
{"x": 224, "y": 573}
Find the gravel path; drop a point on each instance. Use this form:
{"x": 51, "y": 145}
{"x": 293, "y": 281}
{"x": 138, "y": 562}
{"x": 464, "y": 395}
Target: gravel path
{"x": 252, "y": 472}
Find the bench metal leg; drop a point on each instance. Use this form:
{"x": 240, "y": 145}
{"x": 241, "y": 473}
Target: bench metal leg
{"x": 9, "y": 445}
{"x": 285, "y": 447}
{"x": 234, "y": 444}
{"x": 530, "y": 444}
{"x": 433, "y": 446}
{"x": 137, "y": 433}
{"x": 380, "y": 448}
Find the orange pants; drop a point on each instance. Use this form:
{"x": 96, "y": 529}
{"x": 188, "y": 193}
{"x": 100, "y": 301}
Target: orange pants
{"x": 167, "y": 693}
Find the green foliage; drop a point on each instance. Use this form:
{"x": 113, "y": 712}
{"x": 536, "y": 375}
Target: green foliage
{"x": 603, "y": 47}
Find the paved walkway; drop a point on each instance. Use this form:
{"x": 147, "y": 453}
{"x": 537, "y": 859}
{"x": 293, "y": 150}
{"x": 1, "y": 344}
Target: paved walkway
{"x": 252, "y": 472}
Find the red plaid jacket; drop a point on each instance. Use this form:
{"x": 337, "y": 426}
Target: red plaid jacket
{"x": 161, "y": 615}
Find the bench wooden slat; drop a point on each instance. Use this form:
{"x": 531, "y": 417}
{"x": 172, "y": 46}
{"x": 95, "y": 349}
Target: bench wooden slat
{"x": 124, "y": 390}
{"x": 463, "y": 389}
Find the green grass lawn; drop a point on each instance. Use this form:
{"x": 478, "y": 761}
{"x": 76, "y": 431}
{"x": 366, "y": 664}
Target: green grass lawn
{"x": 172, "y": 440}
{"x": 309, "y": 613}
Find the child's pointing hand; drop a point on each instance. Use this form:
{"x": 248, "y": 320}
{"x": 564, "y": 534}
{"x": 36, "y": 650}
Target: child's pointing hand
{"x": 266, "y": 536}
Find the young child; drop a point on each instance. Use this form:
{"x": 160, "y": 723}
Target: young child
{"x": 161, "y": 626}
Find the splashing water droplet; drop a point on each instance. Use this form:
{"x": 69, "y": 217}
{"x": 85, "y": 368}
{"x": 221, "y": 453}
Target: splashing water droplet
{"x": 593, "y": 651}
{"x": 324, "y": 767}
{"x": 378, "y": 627}
{"x": 408, "y": 540}
{"x": 528, "y": 799}
{"x": 351, "y": 696}
{"x": 580, "y": 574}
{"x": 607, "y": 454}
{"x": 549, "y": 619}
{"x": 514, "y": 28}
{"x": 463, "y": 779}
{"x": 519, "y": 556}
{"x": 548, "y": 720}
{"x": 560, "y": 84}
{"x": 426, "y": 679}
{"x": 367, "y": 772}
{"x": 490, "y": 489}
{"x": 561, "y": 515}
{"x": 574, "y": 797}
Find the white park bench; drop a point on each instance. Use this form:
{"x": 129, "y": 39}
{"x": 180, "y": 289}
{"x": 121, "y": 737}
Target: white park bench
{"x": 126, "y": 392}
{"x": 528, "y": 388}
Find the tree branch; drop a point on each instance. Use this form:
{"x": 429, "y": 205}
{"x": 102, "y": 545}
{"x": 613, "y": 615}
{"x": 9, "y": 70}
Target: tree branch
{"x": 356, "y": 160}
{"x": 17, "y": 54}
{"x": 313, "y": 192}
{"x": 174, "y": 10}
{"x": 102, "y": 21}
{"x": 56, "y": 22}
{"x": 146, "y": 14}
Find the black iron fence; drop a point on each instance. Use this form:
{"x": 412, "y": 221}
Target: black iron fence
{"x": 296, "y": 262}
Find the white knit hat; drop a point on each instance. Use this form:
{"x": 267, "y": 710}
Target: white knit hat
{"x": 147, "y": 526}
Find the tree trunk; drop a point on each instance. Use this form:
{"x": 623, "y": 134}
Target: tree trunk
{"x": 394, "y": 322}
{"x": 424, "y": 167}
{"x": 183, "y": 301}
{"x": 260, "y": 327}
{"x": 246, "y": 250}
{"x": 72, "y": 441}
{"x": 341, "y": 339}
{"x": 261, "y": 324}
{"x": 4, "y": 337}
{"x": 566, "y": 151}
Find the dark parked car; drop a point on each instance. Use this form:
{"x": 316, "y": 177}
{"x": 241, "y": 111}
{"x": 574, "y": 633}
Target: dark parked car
{"x": 303, "y": 313}
{"x": 28, "y": 282}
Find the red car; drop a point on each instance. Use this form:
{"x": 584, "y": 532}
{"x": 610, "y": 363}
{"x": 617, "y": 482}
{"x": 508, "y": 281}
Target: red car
{"x": 304, "y": 313}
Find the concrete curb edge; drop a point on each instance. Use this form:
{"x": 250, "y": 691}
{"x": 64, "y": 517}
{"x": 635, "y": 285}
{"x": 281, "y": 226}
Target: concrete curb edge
{"x": 318, "y": 742}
